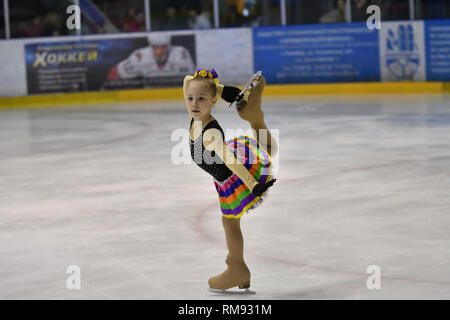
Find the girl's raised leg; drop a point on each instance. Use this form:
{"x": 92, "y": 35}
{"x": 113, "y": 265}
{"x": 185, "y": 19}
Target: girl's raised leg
{"x": 253, "y": 113}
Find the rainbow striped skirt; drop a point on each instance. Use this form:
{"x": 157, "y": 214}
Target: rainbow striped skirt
{"x": 234, "y": 196}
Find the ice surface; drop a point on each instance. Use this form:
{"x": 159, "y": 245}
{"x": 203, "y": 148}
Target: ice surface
{"x": 362, "y": 180}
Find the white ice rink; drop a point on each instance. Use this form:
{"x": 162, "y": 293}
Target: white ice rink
{"x": 362, "y": 180}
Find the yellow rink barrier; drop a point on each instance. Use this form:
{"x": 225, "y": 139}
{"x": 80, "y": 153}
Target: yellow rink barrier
{"x": 446, "y": 87}
{"x": 355, "y": 88}
{"x": 49, "y": 100}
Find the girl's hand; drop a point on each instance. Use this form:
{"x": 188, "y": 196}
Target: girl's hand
{"x": 259, "y": 189}
{"x": 229, "y": 93}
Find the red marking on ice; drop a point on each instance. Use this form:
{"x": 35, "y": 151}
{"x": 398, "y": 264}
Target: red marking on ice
{"x": 199, "y": 228}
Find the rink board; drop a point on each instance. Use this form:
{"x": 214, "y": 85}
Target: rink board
{"x": 49, "y": 100}
{"x": 86, "y": 64}
{"x": 343, "y": 54}
{"x": 416, "y": 50}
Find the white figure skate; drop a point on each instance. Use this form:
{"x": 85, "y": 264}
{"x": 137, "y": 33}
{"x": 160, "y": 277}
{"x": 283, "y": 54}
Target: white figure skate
{"x": 242, "y": 98}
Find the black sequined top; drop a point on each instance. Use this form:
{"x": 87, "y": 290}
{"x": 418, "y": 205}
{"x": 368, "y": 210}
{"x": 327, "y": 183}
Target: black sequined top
{"x": 208, "y": 160}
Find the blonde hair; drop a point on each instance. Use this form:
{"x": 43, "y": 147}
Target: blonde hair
{"x": 209, "y": 83}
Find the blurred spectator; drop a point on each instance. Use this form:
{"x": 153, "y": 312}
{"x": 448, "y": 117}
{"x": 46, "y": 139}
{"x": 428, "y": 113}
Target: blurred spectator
{"x": 233, "y": 17}
{"x": 18, "y": 29}
{"x": 52, "y": 24}
{"x": 101, "y": 30}
{"x": 134, "y": 22}
{"x": 114, "y": 13}
{"x": 185, "y": 14}
{"x": 338, "y": 14}
{"x": 253, "y": 19}
{"x": 394, "y": 10}
{"x": 434, "y": 9}
{"x": 173, "y": 21}
{"x": 201, "y": 21}
{"x": 140, "y": 23}
{"x": 359, "y": 8}
{"x": 35, "y": 29}
{"x": 390, "y": 9}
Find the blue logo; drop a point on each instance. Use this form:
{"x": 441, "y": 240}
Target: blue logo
{"x": 402, "y": 54}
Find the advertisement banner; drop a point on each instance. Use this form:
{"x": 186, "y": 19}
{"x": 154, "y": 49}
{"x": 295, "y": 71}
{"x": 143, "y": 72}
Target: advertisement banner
{"x": 402, "y": 51}
{"x": 437, "y": 43}
{"x": 317, "y": 53}
{"x": 159, "y": 60}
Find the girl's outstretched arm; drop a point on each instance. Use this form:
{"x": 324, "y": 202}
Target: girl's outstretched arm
{"x": 212, "y": 139}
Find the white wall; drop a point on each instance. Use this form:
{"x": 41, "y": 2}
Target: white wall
{"x": 12, "y": 69}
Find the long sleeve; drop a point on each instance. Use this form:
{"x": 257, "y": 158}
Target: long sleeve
{"x": 212, "y": 139}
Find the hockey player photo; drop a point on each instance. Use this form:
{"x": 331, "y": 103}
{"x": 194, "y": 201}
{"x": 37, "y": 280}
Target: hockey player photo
{"x": 160, "y": 63}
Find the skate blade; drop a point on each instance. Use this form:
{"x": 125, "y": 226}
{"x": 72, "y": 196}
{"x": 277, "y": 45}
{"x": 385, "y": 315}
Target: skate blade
{"x": 240, "y": 105}
{"x": 250, "y": 84}
{"x": 246, "y": 291}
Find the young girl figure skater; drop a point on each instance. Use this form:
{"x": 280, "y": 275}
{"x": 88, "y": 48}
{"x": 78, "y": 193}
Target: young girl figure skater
{"x": 240, "y": 167}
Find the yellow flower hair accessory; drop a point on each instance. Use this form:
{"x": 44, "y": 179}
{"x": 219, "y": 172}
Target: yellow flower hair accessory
{"x": 211, "y": 74}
